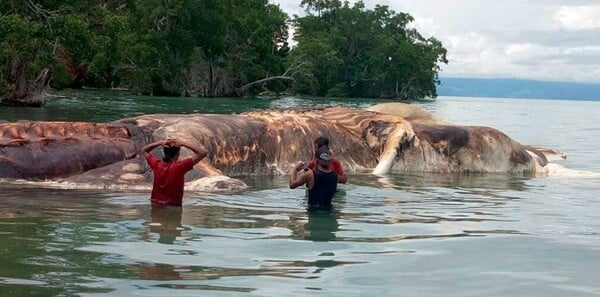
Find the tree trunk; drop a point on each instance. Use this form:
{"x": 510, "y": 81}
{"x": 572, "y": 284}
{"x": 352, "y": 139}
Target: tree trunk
{"x": 26, "y": 93}
{"x": 211, "y": 80}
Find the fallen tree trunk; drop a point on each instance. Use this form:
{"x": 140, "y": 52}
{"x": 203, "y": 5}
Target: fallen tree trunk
{"x": 289, "y": 74}
{"x": 247, "y": 86}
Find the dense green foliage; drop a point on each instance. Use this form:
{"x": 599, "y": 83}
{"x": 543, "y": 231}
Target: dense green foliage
{"x": 356, "y": 52}
{"x": 217, "y": 48}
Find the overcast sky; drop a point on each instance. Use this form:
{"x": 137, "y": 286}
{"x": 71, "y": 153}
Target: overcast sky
{"x": 536, "y": 39}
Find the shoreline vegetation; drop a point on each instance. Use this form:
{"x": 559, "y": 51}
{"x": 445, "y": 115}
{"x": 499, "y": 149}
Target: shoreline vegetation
{"x": 212, "y": 48}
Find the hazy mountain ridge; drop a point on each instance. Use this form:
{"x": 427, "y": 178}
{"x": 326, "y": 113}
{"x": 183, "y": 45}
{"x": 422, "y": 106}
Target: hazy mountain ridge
{"x": 518, "y": 88}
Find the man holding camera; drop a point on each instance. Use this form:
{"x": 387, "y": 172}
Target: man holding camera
{"x": 321, "y": 182}
{"x": 335, "y": 164}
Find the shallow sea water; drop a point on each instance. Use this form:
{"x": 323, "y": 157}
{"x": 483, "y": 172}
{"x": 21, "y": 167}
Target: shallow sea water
{"x": 396, "y": 235}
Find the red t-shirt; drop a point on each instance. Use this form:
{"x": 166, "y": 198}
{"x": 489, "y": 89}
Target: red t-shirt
{"x": 335, "y": 165}
{"x": 167, "y": 189}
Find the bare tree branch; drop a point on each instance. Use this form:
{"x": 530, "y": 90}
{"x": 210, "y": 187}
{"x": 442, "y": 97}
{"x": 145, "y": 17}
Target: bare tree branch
{"x": 287, "y": 75}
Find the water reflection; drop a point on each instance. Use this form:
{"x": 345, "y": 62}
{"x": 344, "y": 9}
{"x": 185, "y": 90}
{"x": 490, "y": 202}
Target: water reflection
{"x": 416, "y": 181}
{"x": 103, "y": 106}
{"x": 158, "y": 271}
{"x": 321, "y": 226}
{"x": 166, "y": 221}
{"x": 77, "y": 242}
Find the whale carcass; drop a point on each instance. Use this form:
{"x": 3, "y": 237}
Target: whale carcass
{"x": 388, "y": 138}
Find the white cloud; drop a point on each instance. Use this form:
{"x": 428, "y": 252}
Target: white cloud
{"x": 427, "y": 26}
{"x": 518, "y": 48}
{"x": 583, "y": 50}
{"x": 536, "y": 39}
{"x": 579, "y": 17}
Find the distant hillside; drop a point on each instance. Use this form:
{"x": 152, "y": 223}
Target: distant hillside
{"x": 517, "y": 88}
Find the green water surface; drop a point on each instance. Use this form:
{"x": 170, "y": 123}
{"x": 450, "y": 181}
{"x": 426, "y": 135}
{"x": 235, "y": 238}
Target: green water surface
{"x": 394, "y": 235}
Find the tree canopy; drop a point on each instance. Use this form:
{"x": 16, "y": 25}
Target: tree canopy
{"x": 216, "y": 48}
{"x": 358, "y": 52}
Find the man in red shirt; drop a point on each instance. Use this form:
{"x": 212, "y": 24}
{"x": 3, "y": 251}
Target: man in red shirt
{"x": 167, "y": 188}
{"x": 335, "y": 165}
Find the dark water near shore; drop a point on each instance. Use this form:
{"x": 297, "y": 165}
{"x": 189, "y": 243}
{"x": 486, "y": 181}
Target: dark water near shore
{"x": 398, "y": 235}
{"x": 103, "y": 106}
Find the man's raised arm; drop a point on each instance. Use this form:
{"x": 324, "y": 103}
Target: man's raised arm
{"x": 198, "y": 150}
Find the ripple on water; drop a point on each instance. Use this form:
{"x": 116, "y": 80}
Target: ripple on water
{"x": 264, "y": 242}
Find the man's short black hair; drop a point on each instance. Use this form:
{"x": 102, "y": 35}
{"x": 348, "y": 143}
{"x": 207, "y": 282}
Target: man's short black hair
{"x": 321, "y": 141}
{"x": 171, "y": 153}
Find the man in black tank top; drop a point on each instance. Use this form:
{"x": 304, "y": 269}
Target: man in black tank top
{"x": 320, "y": 182}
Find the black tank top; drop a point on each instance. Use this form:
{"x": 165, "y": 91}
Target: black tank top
{"x": 319, "y": 197}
